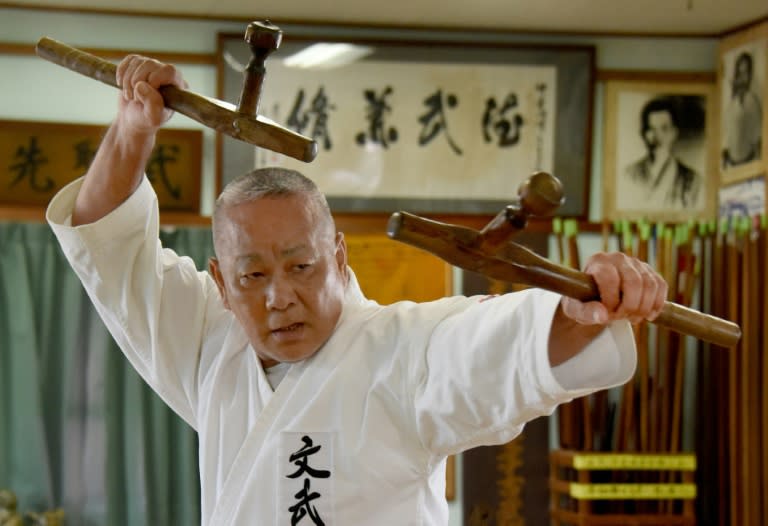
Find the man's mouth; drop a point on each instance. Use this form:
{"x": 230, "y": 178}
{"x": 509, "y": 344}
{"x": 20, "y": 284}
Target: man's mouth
{"x": 288, "y": 328}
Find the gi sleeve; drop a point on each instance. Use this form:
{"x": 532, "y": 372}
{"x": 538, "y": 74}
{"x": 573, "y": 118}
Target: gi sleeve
{"x": 154, "y": 303}
{"x": 486, "y": 371}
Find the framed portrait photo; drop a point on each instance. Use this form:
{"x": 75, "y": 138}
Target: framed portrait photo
{"x": 659, "y": 154}
{"x": 743, "y": 92}
{"x": 424, "y": 125}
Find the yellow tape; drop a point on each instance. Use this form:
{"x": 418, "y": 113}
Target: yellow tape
{"x": 596, "y": 461}
{"x": 632, "y": 491}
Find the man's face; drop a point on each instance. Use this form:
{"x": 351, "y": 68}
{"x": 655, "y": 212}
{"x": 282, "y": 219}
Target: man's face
{"x": 661, "y": 132}
{"x": 282, "y": 273}
{"x": 742, "y": 77}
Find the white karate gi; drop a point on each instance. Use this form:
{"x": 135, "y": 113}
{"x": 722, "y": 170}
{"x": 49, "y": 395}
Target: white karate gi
{"x": 357, "y": 434}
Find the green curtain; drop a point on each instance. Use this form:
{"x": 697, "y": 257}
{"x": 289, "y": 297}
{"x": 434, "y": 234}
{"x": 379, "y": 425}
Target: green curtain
{"x": 79, "y": 429}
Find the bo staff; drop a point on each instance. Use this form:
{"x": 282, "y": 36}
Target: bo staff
{"x": 488, "y": 252}
{"x": 763, "y": 347}
{"x": 642, "y": 345}
{"x": 736, "y": 486}
{"x": 240, "y": 122}
{"x": 582, "y": 406}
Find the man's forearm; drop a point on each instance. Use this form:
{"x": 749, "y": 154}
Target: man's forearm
{"x": 567, "y": 338}
{"x": 114, "y": 174}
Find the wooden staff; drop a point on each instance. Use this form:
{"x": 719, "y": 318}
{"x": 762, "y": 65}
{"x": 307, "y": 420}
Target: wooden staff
{"x": 642, "y": 346}
{"x": 734, "y": 439}
{"x": 663, "y": 246}
{"x": 582, "y": 411}
{"x": 602, "y": 412}
{"x": 719, "y": 372}
{"x": 750, "y": 377}
{"x": 564, "y": 411}
{"x": 686, "y": 264}
{"x": 490, "y": 252}
{"x": 626, "y": 412}
{"x": 763, "y": 356}
{"x": 240, "y": 122}
{"x": 708, "y": 397}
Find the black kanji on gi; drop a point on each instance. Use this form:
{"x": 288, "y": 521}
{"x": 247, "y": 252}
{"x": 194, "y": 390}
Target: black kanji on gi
{"x": 301, "y": 459}
{"x": 303, "y": 507}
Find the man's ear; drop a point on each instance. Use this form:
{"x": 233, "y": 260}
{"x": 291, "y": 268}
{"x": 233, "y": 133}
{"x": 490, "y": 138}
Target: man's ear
{"x": 341, "y": 255}
{"x": 215, "y": 271}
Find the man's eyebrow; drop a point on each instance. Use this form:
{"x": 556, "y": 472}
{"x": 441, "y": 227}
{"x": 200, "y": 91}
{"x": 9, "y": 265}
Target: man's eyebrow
{"x": 292, "y": 251}
{"x": 248, "y": 258}
{"x": 257, "y": 258}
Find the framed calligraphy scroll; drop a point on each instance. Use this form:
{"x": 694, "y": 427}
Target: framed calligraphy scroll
{"x": 428, "y": 127}
{"x": 37, "y": 159}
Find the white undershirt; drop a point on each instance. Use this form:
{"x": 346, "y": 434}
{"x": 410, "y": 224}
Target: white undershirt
{"x": 276, "y": 373}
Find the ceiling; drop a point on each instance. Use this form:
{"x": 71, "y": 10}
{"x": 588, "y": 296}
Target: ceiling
{"x": 676, "y": 17}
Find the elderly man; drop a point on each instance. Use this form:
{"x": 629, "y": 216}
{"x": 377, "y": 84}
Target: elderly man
{"x": 313, "y": 404}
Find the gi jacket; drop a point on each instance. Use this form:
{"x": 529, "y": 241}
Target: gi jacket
{"x": 357, "y": 434}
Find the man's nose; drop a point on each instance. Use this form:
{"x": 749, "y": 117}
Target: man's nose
{"x": 280, "y": 293}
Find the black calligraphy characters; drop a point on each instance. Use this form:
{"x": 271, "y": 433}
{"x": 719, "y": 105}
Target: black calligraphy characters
{"x": 377, "y": 109}
{"x": 317, "y": 115}
{"x": 30, "y": 158}
{"x": 434, "y": 121}
{"x": 303, "y": 507}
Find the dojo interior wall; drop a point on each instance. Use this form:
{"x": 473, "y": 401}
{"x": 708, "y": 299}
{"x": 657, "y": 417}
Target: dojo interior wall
{"x": 33, "y": 89}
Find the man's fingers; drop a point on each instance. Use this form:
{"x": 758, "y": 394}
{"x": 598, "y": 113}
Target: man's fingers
{"x": 628, "y": 288}
{"x": 125, "y": 75}
{"x": 163, "y": 75}
{"x": 134, "y": 69}
{"x": 650, "y": 292}
{"x": 608, "y": 283}
{"x": 589, "y": 313}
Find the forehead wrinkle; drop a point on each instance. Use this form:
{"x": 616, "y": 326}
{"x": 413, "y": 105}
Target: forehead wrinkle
{"x": 258, "y": 258}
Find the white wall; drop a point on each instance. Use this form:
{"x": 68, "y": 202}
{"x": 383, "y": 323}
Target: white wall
{"x": 33, "y": 89}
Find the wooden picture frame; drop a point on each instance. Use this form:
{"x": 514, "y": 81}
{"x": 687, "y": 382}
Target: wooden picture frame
{"x": 646, "y": 116}
{"x": 743, "y": 130}
{"x": 367, "y": 175}
{"x": 40, "y": 158}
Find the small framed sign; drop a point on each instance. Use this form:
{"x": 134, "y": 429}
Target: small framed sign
{"x": 37, "y": 159}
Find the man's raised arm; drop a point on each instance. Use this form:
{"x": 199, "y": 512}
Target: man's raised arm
{"x": 118, "y": 167}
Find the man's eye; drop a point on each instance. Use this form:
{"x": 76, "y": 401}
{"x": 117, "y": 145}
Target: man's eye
{"x": 303, "y": 266}
{"x": 253, "y": 275}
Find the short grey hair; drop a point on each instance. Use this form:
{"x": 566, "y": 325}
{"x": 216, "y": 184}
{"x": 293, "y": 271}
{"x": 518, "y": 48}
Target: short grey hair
{"x": 270, "y": 182}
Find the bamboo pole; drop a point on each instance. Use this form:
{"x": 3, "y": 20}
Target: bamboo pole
{"x": 655, "y": 413}
{"x": 734, "y": 421}
{"x": 750, "y": 376}
{"x": 686, "y": 264}
{"x": 719, "y": 372}
{"x": 564, "y": 413}
{"x": 583, "y": 409}
{"x": 763, "y": 354}
{"x": 643, "y": 348}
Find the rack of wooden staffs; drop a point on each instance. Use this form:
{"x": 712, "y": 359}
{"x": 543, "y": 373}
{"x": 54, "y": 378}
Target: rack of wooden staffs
{"x": 719, "y": 268}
